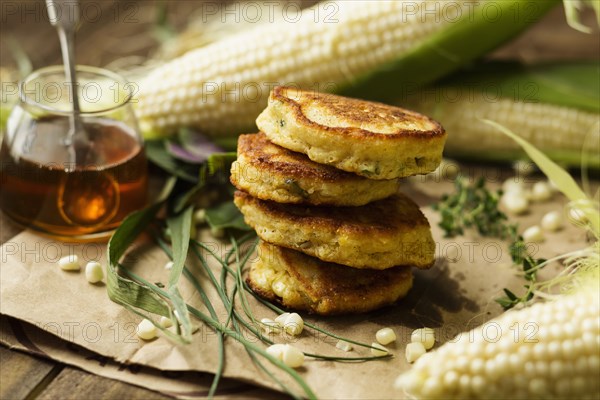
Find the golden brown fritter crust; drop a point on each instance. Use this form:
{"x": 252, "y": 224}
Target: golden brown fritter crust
{"x": 270, "y": 172}
{"x": 301, "y": 282}
{"x": 379, "y": 235}
{"x": 374, "y": 140}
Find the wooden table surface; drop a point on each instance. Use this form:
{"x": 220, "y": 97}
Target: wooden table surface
{"x": 23, "y": 376}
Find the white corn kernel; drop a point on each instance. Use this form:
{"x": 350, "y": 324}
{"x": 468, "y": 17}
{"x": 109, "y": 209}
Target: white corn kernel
{"x": 281, "y": 319}
{"x": 413, "y": 351}
{"x": 165, "y": 322}
{"x": 343, "y": 345}
{"x": 146, "y": 330}
{"x": 294, "y": 324}
{"x": 426, "y": 336}
{"x": 524, "y": 168}
{"x": 200, "y": 216}
{"x": 533, "y": 234}
{"x": 385, "y": 336}
{"x": 94, "y": 272}
{"x": 276, "y": 351}
{"x": 379, "y": 350}
{"x": 169, "y": 265}
{"x": 69, "y": 263}
{"x": 515, "y": 203}
{"x": 577, "y": 216}
{"x": 513, "y": 185}
{"x": 292, "y": 357}
{"x": 541, "y": 192}
{"x": 552, "y": 221}
{"x": 449, "y": 168}
{"x": 270, "y": 326}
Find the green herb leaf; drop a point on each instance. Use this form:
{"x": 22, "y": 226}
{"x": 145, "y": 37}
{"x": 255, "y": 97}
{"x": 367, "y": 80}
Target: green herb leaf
{"x": 157, "y": 153}
{"x": 180, "y": 225}
{"x": 471, "y": 205}
{"x": 226, "y": 215}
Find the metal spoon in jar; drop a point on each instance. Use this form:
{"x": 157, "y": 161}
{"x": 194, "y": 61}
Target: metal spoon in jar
{"x": 64, "y": 15}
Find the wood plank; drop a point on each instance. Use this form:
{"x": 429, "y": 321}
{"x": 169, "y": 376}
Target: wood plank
{"x": 22, "y": 373}
{"x": 78, "y": 384}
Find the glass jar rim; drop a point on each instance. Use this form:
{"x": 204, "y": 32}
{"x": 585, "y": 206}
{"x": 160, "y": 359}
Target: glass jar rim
{"x": 54, "y": 69}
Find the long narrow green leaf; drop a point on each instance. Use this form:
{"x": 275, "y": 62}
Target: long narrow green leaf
{"x": 180, "y": 225}
{"x": 125, "y": 291}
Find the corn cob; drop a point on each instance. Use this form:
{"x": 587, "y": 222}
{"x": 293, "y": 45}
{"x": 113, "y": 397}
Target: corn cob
{"x": 558, "y": 131}
{"x": 561, "y": 119}
{"x": 221, "y": 88}
{"x": 549, "y": 350}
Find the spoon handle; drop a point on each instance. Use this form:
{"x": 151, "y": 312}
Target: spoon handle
{"x": 64, "y": 15}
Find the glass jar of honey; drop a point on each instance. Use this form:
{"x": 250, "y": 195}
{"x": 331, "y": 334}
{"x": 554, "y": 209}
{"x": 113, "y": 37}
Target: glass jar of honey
{"x": 73, "y": 189}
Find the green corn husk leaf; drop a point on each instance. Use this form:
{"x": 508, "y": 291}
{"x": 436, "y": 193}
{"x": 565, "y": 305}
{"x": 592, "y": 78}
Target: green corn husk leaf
{"x": 554, "y": 106}
{"x": 573, "y": 84}
{"x": 474, "y": 35}
{"x": 136, "y": 295}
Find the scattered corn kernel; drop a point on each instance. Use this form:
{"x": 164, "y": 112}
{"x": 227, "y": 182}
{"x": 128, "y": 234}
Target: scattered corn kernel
{"x": 449, "y": 168}
{"x": 577, "y": 216}
{"x": 69, "y": 263}
{"x": 515, "y": 202}
{"x": 343, "y": 345}
{"x": 552, "y": 221}
{"x": 513, "y": 185}
{"x": 524, "y": 168}
{"x": 292, "y": 357}
{"x": 413, "y": 351}
{"x": 94, "y": 272}
{"x": 281, "y": 319}
{"x": 169, "y": 265}
{"x": 379, "y": 350}
{"x": 541, "y": 191}
{"x": 294, "y": 324}
{"x": 425, "y": 336}
{"x": 276, "y": 351}
{"x": 270, "y": 326}
{"x": 165, "y": 322}
{"x": 533, "y": 234}
{"x": 385, "y": 336}
{"x": 146, "y": 330}
{"x": 200, "y": 216}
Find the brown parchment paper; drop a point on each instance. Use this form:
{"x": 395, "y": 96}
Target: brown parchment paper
{"x": 454, "y": 296}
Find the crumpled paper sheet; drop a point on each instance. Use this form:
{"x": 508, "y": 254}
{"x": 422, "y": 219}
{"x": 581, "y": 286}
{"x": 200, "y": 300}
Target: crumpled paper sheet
{"x": 22, "y": 336}
{"x": 455, "y": 295}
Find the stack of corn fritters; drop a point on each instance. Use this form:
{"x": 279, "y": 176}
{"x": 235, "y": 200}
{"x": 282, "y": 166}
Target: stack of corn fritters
{"x": 319, "y": 185}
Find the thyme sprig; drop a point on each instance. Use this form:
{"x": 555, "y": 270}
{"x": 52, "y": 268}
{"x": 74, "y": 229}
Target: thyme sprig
{"x": 473, "y": 205}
